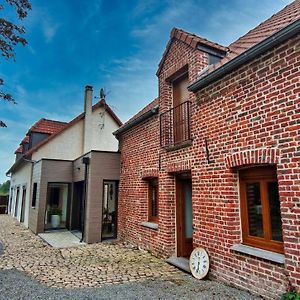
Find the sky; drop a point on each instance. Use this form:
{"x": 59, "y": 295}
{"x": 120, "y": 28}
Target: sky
{"x": 110, "y": 44}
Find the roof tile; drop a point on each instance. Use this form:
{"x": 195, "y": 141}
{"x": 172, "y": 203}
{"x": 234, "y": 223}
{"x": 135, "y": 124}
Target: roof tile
{"x": 47, "y": 126}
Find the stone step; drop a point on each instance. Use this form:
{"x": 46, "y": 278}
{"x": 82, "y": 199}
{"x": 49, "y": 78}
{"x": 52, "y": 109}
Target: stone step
{"x": 179, "y": 262}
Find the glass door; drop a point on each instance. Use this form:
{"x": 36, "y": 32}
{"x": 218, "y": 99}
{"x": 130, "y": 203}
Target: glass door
{"x": 109, "y": 212}
{"x": 57, "y": 205}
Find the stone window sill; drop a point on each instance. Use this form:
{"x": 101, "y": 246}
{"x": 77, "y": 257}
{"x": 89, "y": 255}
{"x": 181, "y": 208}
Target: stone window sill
{"x": 268, "y": 255}
{"x": 150, "y": 225}
{"x": 179, "y": 146}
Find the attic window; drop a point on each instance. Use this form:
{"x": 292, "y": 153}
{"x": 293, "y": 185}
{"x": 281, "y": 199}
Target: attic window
{"x": 213, "y": 59}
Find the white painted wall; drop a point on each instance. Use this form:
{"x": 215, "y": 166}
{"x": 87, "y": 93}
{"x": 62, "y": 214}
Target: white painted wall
{"x": 103, "y": 127}
{"x": 21, "y": 178}
{"x": 69, "y": 144}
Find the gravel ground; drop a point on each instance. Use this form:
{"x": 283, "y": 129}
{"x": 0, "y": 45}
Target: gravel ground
{"x": 17, "y": 285}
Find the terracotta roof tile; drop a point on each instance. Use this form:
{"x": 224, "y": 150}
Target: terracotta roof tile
{"x": 74, "y": 121}
{"x": 142, "y": 111}
{"x": 189, "y": 39}
{"x": 19, "y": 150}
{"x": 47, "y": 126}
{"x": 278, "y": 21}
{"x": 25, "y": 140}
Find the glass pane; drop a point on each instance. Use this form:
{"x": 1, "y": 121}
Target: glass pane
{"x": 57, "y": 202}
{"x": 109, "y": 210}
{"x": 188, "y": 210}
{"x": 154, "y": 202}
{"x": 275, "y": 215}
{"x": 254, "y": 209}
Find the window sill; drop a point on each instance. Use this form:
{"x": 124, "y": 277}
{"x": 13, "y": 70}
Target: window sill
{"x": 268, "y": 255}
{"x": 179, "y": 146}
{"x": 150, "y": 225}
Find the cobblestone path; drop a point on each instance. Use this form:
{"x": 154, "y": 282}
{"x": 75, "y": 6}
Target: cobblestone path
{"x": 86, "y": 266}
{"x": 31, "y": 269}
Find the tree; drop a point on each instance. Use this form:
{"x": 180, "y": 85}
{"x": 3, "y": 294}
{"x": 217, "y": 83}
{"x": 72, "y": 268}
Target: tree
{"x": 10, "y": 36}
{"x": 4, "y": 188}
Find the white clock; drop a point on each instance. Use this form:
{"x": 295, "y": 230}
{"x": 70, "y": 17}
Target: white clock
{"x": 199, "y": 263}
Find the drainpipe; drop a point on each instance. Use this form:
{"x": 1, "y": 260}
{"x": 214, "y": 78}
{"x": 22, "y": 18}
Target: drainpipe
{"x": 86, "y": 162}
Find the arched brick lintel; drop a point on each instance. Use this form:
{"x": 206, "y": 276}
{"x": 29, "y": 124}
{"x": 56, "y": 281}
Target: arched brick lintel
{"x": 253, "y": 156}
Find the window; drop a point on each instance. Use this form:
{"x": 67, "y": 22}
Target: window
{"x": 153, "y": 200}
{"x": 180, "y": 91}
{"x": 180, "y": 109}
{"x": 17, "y": 202}
{"x": 57, "y": 204}
{"x": 33, "y": 200}
{"x": 260, "y": 208}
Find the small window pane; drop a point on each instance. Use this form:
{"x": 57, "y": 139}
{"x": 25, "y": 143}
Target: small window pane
{"x": 153, "y": 198}
{"x": 254, "y": 209}
{"x": 275, "y": 215}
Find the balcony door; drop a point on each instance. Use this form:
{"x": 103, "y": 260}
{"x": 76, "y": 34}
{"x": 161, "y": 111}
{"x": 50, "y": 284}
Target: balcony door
{"x": 180, "y": 114}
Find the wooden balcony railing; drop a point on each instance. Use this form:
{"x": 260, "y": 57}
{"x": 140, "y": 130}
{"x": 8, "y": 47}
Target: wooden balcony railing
{"x": 175, "y": 125}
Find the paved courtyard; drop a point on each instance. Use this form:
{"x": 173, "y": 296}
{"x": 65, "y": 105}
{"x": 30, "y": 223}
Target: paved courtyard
{"x": 98, "y": 271}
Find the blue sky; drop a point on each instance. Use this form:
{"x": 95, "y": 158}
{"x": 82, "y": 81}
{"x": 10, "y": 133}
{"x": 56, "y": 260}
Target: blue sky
{"x": 113, "y": 44}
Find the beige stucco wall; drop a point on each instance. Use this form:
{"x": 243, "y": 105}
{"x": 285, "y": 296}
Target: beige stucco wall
{"x": 21, "y": 178}
{"x": 69, "y": 144}
{"x": 103, "y": 127}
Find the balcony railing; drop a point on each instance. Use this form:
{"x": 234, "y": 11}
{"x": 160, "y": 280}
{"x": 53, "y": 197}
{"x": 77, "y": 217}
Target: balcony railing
{"x": 175, "y": 125}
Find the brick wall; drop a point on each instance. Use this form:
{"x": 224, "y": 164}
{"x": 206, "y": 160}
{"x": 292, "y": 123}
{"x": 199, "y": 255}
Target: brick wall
{"x": 251, "y": 116}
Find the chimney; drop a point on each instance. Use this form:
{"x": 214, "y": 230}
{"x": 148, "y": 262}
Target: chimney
{"x": 87, "y": 125}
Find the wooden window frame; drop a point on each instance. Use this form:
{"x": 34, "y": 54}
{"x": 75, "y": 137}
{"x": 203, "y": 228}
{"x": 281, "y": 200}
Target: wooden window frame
{"x": 151, "y": 186}
{"x": 261, "y": 175}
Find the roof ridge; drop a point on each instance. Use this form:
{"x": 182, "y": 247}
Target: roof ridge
{"x": 56, "y": 121}
{"x": 100, "y": 103}
{"x": 196, "y": 36}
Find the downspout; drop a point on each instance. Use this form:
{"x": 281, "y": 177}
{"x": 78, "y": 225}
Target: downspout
{"x": 86, "y": 162}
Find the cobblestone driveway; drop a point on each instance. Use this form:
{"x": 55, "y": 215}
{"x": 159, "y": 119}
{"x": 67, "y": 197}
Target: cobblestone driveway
{"x": 31, "y": 269}
{"x": 86, "y": 266}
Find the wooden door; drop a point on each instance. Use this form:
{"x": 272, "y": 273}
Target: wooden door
{"x": 184, "y": 216}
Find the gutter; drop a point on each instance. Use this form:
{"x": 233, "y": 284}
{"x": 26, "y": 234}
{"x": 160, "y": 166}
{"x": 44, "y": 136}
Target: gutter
{"x": 263, "y": 46}
{"x": 18, "y": 163}
{"x": 153, "y": 111}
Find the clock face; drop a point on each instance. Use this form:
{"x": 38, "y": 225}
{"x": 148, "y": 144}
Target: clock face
{"x": 199, "y": 263}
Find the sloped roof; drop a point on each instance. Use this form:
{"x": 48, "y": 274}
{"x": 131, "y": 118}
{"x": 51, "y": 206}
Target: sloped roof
{"x": 145, "y": 113}
{"x": 25, "y": 140}
{"x": 47, "y": 126}
{"x": 266, "y": 29}
{"x": 191, "y": 40}
{"x": 74, "y": 121}
{"x": 148, "y": 107}
{"x": 19, "y": 150}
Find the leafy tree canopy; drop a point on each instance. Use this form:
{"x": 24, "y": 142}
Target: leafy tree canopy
{"x": 4, "y": 188}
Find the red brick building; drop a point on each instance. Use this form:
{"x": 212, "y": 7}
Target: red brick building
{"x": 214, "y": 160}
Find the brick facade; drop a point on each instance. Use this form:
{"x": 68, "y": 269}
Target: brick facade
{"x": 249, "y": 117}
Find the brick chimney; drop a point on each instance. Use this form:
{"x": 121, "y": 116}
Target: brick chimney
{"x": 87, "y": 125}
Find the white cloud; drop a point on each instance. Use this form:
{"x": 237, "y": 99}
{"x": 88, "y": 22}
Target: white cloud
{"x": 49, "y": 30}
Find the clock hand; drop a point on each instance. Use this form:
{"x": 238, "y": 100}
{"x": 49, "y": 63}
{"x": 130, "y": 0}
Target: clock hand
{"x": 198, "y": 266}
